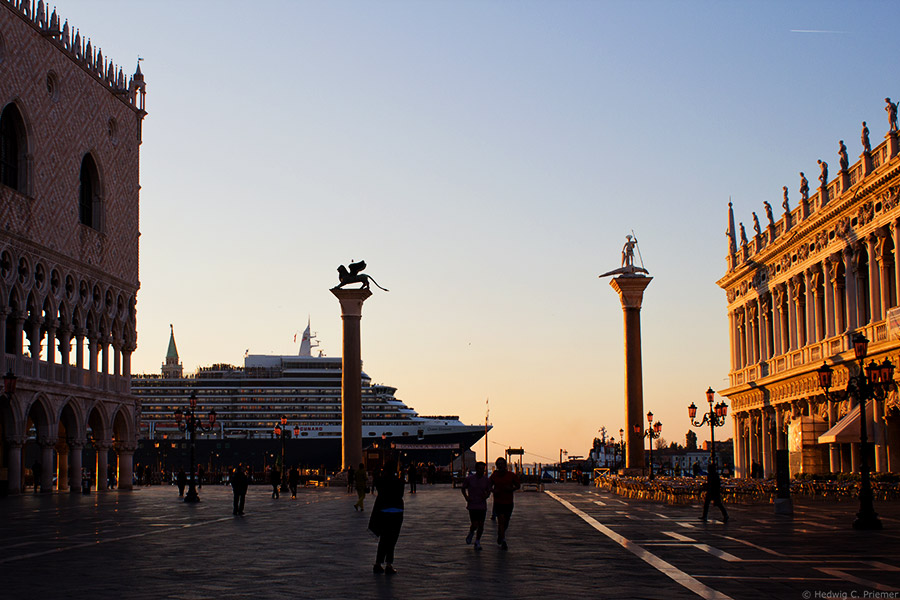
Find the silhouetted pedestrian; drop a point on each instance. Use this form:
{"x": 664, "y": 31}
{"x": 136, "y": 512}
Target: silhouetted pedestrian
{"x": 432, "y": 472}
{"x": 351, "y": 480}
{"x": 275, "y": 480}
{"x": 239, "y": 484}
{"x": 293, "y": 480}
{"x": 181, "y": 481}
{"x": 200, "y": 473}
{"x": 36, "y": 472}
{"x": 475, "y": 489}
{"x": 696, "y": 469}
{"x": 387, "y": 517}
{"x": 504, "y": 483}
{"x": 412, "y": 474}
{"x": 361, "y": 481}
{"x": 713, "y": 493}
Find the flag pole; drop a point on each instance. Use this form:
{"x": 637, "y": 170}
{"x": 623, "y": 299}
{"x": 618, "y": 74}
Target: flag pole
{"x": 487, "y": 414}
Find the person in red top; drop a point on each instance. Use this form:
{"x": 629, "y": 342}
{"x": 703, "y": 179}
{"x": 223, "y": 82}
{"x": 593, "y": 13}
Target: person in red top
{"x": 504, "y": 483}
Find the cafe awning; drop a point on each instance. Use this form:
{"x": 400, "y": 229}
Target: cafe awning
{"x": 846, "y": 431}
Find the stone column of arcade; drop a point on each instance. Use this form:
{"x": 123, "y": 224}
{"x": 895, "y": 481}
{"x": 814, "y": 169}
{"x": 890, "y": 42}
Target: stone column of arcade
{"x": 630, "y": 282}
{"x": 351, "y": 377}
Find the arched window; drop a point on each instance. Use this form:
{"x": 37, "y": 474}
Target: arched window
{"x": 89, "y": 194}
{"x": 12, "y": 148}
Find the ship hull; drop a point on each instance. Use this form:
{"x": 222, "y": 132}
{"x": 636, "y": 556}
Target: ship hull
{"x": 220, "y": 455}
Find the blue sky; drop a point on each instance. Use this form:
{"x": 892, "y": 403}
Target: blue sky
{"x": 487, "y": 160}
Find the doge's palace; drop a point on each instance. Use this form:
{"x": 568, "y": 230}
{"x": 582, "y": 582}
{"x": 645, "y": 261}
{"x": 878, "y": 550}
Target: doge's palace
{"x": 70, "y": 136}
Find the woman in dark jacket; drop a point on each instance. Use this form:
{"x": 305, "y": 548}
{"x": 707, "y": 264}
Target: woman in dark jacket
{"x": 387, "y": 517}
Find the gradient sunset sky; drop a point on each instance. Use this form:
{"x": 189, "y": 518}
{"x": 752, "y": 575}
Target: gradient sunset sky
{"x": 486, "y": 159}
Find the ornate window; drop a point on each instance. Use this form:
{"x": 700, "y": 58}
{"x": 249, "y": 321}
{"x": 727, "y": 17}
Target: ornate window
{"x": 12, "y": 148}
{"x": 89, "y": 212}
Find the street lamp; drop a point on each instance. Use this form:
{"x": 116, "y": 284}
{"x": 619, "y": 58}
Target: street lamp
{"x": 281, "y": 431}
{"x": 654, "y": 430}
{"x": 872, "y": 381}
{"x": 191, "y": 424}
{"x": 715, "y": 417}
{"x": 622, "y": 446}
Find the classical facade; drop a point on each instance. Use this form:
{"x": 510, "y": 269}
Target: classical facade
{"x": 70, "y": 134}
{"x": 798, "y": 289}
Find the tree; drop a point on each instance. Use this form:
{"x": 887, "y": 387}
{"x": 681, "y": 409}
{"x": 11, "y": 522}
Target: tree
{"x": 661, "y": 443}
{"x": 690, "y": 440}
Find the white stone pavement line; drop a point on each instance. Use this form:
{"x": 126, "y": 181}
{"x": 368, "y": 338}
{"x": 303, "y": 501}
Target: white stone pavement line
{"x": 108, "y": 540}
{"x": 752, "y": 545}
{"x": 717, "y": 553}
{"x": 662, "y": 516}
{"x": 686, "y": 525}
{"x": 858, "y": 580}
{"x": 678, "y": 536}
{"x": 651, "y": 559}
{"x": 599, "y": 503}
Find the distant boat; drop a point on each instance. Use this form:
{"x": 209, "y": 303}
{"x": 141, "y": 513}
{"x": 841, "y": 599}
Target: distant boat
{"x": 250, "y": 400}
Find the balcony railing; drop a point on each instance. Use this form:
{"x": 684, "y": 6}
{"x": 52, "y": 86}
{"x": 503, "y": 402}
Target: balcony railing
{"x": 810, "y": 355}
{"x": 24, "y": 367}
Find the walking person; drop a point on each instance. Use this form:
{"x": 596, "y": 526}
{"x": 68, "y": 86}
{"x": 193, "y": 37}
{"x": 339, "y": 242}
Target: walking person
{"x": 275, "y": 480}
{"x": 412, "y": 475}
{"x": 36, "y": 471}
{"x": 361, "y": 481}
{"x": 181, "y": 481}
{"x": 239, "y": 484}
{"x": 475, "y": 489}
{"x": 504, "y": 483}
{"x": 350, "y": 479}
{"x": 293, "y": 480}
{"x": 387, "y": 517}
{"x": 713, "y": 493}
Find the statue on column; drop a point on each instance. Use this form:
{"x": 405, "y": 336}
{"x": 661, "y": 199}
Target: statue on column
{"x": 784, "y": 202}
{"x": 804, "y": 187}
{"x": 845, "y": 162}
{"x": 864, "y": 137}
{"x": 353, "y": 274}
{"x": 757, "y": 231}
{"x": 891, "y": 110}
{"x": 743, "y": 236}
{"x": 628, "y": 267}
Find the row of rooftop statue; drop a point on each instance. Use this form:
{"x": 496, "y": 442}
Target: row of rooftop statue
{"x": 890, "y": 108}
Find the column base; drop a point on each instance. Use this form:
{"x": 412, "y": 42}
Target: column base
{"x": 784, "y": 506}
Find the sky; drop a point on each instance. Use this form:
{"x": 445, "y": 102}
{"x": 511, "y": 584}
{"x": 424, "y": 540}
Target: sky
{"x": 486, "y": 159}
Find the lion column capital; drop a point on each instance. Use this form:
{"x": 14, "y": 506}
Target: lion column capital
{"x": 351, "y": 301}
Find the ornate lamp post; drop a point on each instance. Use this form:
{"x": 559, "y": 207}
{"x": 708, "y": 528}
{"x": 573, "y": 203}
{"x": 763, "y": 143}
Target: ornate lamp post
{"x": 654, "y": 430}
{"x": 872, "y": 381}
{"x": 281, "y": 431}
{"x": 622, "y": 444}
{"x": 191, "y": 424}
{"x": 715, "y": 417}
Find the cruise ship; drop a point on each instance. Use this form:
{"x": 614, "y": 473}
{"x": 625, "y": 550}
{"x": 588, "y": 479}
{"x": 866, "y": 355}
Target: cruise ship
{"x": 302, "y": 389}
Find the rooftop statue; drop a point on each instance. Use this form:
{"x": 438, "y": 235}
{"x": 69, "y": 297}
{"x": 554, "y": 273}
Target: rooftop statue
{"x": 756, "y": 229}
{"x": 804, "y": 187}
{"x": 784, "y": 203}
{"x": 823, "y": 176}
{"x": 627, "y": 267}
{"x": 354, "y": 274}
{"x": 845, "y": 162}
{"x": 864, "y": 137}
{"x": 891, "y": 109}
{"x": 769, "y": 213}
{"x": 744, "y": 241}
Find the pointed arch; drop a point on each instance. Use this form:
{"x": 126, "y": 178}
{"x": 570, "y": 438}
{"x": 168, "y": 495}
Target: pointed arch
{"x": 13, "y": 149}
{"x": 90, "y": 193}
